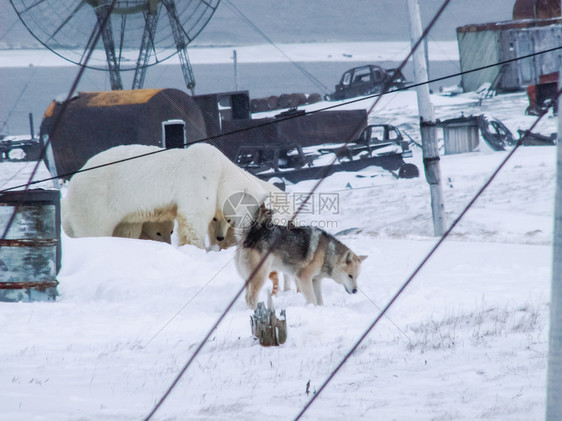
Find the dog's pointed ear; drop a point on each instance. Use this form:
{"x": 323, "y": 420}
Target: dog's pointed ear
{"x": 348, "y": 257}
{"x": 361, "y": 258}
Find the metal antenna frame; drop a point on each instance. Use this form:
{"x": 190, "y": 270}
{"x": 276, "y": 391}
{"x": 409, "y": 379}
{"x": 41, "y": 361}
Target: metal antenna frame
{"x": 147, "y": 45}
{"x": 196, "y": 14}
{"x": 181, "y": 45}
{"x": 102, "y": 13}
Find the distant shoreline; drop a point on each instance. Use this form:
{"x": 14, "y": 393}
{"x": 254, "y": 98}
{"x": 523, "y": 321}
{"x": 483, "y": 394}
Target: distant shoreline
{"x": 265, "y": 53}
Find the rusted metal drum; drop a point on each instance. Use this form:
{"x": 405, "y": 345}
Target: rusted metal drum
{"x": 30, "y": 253}
{"x": 313, "y": 98}
{"x": 284, "y": 101}
{"x": 259, "y": 105}
{"x": 296, "y": 99}
{"x": 254, "y": 105}
{"x": 273, "y": 102}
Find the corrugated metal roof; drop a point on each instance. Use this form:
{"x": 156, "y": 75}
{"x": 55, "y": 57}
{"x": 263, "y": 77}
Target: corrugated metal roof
{"x": 508, "y": 24}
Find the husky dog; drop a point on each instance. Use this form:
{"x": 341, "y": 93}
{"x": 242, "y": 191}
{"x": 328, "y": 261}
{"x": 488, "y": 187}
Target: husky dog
{"x": 309, "y": 254}
{"x": 222, "y": 235}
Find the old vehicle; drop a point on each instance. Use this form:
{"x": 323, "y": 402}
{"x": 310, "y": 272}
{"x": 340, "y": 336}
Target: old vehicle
{"x": 19, "y": 148}
{"x": 380, "y": 138}
{"x": 379, "y": 144}
{"x": 367, "y": 80}
{"x": 287, "y": 145}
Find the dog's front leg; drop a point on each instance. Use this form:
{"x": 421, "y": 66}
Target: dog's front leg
{"x": 287, "y": 282}
{"x": 307, "y": 289}
{"x": 317, "y": 285}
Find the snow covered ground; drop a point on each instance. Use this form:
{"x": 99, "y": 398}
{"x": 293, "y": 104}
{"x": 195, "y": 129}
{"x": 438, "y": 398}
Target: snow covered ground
{"x": 264, "y": 53}
{"x": 467, "y": 340}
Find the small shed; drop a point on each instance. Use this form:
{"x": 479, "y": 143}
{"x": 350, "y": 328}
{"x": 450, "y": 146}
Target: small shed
{"x": 486, "y": 44}
{"x": 95, "y": 121}
{"x": 460, "y": 134}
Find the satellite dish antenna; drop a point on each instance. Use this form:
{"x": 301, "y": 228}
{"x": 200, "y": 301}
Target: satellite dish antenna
{"x": 139, "y": 33}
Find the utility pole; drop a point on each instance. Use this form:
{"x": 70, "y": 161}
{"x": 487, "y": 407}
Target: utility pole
{"x": 430, "y": 148}
{"x": 554, "y": 373}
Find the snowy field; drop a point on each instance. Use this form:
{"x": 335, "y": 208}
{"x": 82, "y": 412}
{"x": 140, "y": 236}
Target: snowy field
{"x": 263, "y": 53}
{"x": 467, "y": 340}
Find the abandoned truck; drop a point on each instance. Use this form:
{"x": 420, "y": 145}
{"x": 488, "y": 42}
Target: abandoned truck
{"x": 367, "y": 80}
{"x": 95, "y": 121}
{"x": 379, "y": 144}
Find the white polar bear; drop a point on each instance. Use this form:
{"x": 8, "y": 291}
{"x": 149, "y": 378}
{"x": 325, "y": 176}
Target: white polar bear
{"x": 188, "y": 184}
{"x": 155, "y": 231}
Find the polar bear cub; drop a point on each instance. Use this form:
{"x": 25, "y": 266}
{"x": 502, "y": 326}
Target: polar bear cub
{"x": 156, "y": 231}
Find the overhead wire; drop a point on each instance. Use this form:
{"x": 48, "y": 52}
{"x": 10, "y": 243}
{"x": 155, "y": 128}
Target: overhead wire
{"x": 228, "y": 308}
{"x": 16, "y": 102}
{"x": 418, "y": 268}
{"x": 309, "y": 75}
{"x": 58, "y": 119}
{"x": 307, "y": 113}
{"x": 277, "y": 239}
{"x": 409, "y": 279}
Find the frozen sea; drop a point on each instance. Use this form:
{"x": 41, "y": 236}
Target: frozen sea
{"x": 31, "y": 79}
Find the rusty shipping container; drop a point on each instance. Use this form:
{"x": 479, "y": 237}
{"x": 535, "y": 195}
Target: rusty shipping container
{"x": 93, "y": 122}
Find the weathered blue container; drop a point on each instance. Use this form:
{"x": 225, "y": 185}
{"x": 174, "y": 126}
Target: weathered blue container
{"x": 30, "y": 253}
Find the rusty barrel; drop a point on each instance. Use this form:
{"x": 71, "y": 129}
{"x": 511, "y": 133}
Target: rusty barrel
{"x": 313, "y": 98}
{"x": 254, "y": 105}
{"x": 30, "y": 250}
{"x": 295, "y": 100}
{"x": 272, "y": 102}
{"x": 284, "y": 101}
{"x": 259, "y": 105}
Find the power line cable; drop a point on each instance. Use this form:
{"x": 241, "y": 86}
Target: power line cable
{"x": 16, "y": 102}
{"x": 276, "y": 240}
{"x": 309, "y": 75}
{"x": 418, "y": 268}
{"x": 286, "y": 118}
{"x": 59, "y": 116}
{"x": 9, "y": 29}
{"x": 386, "y": 308}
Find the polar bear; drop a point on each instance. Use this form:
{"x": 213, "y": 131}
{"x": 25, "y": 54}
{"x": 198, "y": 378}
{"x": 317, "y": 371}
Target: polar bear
{"x": 160, "y": 228}
{"x": 156, "y": 231}
{"x": 221, "y": 232}
{"x": 189, "y": 183}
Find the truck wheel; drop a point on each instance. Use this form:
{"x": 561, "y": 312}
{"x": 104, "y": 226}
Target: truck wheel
{"x": 408, "y": 171}
{"x": 277, "y": 182}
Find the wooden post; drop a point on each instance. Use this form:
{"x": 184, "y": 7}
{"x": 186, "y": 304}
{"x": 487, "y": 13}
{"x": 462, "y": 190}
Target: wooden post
{"x": 430, "y": 148}
{"x": 235, "y": 57}
{"x": 270, "y": 330}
